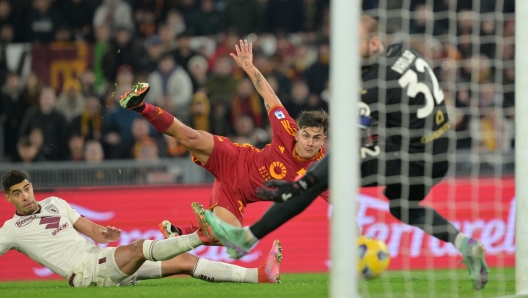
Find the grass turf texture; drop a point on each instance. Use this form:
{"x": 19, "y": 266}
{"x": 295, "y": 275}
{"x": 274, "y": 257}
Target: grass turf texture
{"x": 439, "y": 283}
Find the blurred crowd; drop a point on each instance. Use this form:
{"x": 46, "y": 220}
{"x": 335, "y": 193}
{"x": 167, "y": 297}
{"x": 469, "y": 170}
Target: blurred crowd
{"x": 181, "y": 48}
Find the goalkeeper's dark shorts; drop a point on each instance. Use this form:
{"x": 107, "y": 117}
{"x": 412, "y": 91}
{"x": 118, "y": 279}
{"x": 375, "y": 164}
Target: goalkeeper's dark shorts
{"x": 412, "y": 172}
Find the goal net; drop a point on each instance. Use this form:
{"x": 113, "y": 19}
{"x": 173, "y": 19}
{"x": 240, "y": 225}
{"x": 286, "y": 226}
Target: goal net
{"x": 465, "y": 60}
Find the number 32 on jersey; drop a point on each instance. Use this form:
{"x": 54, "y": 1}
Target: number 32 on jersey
{"x": 410, "y": 80}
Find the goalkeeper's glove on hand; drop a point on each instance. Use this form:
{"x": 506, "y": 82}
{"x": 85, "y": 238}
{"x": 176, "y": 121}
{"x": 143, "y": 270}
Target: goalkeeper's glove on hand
{"x": 280, "y": 190}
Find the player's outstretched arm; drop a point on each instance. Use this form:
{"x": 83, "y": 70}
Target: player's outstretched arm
{"x": 244, "y": 58}
{"x": 97, "y": 232}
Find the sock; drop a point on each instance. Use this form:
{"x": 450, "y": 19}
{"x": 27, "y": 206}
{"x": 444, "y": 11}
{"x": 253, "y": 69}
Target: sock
{"x": 218, "y": 272}
{"x": 458, "y": 240}
{"x": 167, "y": 249}
{"x": 249, "y": 237}
{"x": 160, "y": 118}
{"x": 189, "y": 230}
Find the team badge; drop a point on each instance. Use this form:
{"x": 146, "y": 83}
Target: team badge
{"x": 279, "y": 115}
{"x": 52, "y": 209}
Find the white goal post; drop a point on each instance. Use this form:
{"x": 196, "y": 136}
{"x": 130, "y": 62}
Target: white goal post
{"x": 521, "y": 146}
{"x": 344, "y": 75}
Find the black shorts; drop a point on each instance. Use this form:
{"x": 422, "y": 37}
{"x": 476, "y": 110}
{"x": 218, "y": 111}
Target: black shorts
{"x": 388, "y": 168}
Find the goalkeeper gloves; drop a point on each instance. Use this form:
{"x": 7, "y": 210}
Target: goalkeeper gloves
{"x": 280, "y": 190}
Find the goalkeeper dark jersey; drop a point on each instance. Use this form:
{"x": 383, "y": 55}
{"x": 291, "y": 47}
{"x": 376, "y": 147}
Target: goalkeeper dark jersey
{"x": 401, "y": 93}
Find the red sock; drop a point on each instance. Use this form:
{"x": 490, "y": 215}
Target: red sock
{"x": 262, "y": 276}
{"x": 161, "y": 119}
{"x": 189, "y": 230}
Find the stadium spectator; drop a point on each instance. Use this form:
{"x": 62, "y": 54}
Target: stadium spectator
{"x": 298, "y": 101}
{"x": 89, "y": 124}
{"x": 246, "y": 101}
{"x": 76, "y": 148}
{"x": 116, "y": 127}
{"x": 243, "y": 15}
{"x": 145, "y": 147}
{"x": 318, "y": 74}
{"x": 200, "y": 112}
{"x": 221, "y": 83}
{"x": 7, "y": 18}
{"x": 123, "y": 50}
{"x": 42, "y": 22}
{"x": 93, "y": 152}
{"x": 175, "y": 22}
{"x": 245, "y": 130}
{"x": 101, "y": 47}
{"x": 198, "y": 70}
{"x": 183, "y": 52}
{"x": 167, "y": 36}
{"x": 227, "y": 40}
{"x": 87, "y": 79}
{"x": 27, "y": 152}
{"x": 115, "y": 14}
{"x": 32, "y": 88}
{"x": 206, "y": 20}
{"x": 285, "y": 15}
{"x": 71, "y": 100}
{"x": 154, "y": 49}
{"x": 147, "y": 14}
{"x": 13, "y": 107}
{"x": 170, "y": 87}
{"x": 78, "y": 15}
{"x": 50, "y": 121}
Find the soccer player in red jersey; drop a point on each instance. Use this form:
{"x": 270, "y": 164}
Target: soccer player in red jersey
{"x": 240, "y": 169}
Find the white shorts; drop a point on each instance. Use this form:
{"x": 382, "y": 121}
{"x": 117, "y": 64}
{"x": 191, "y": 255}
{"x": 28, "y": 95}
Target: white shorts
{"x": 101, "y": 270}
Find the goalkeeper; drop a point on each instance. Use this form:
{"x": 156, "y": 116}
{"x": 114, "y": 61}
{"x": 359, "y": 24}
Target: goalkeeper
{"x": 408, "y": 154}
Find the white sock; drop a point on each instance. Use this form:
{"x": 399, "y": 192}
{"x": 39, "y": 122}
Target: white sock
{"x": 458, "y": 240}
{"x": 249, "y": 237}
{"x": 167, "y": 249}
{"x": 218, "y": 272}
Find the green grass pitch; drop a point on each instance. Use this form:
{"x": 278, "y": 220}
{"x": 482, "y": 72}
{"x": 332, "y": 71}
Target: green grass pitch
{"x": 438, "y": 283}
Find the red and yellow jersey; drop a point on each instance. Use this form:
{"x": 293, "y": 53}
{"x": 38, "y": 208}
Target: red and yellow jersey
{"x": 278, "y": 160}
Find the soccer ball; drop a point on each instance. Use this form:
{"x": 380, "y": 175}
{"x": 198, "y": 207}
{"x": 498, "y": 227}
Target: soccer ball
{"x": 373, "y": 257}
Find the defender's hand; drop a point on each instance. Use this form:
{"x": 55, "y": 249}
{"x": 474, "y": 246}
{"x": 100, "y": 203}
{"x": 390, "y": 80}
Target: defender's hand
{"x": 244, "y": 55}
{"x": 110, "y": 233}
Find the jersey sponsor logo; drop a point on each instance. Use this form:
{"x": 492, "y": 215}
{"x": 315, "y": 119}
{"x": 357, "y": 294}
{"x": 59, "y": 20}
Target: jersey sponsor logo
{"x": 52, "y": 209}
{"x": 290, "y": 130}
{"x": 24, "y": 221}
{"x": 436, "y": 134}
{"x": 50, "y": 222}
{"x": 279, "y": 115}
{"x": 64, "y": 226}
{"x": 281, "y": 148}
{"x": 278, "y": 170}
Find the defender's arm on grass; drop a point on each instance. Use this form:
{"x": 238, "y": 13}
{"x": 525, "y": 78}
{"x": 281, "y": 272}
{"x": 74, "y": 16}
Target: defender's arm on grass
{"x": 97, "y": 232}
{"x": 244, "y": 58}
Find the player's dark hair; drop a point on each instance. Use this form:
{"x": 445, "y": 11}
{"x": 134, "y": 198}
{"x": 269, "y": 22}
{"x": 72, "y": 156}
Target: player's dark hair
{"x": 317, "y": 118}
{"x": 13, "y": 177}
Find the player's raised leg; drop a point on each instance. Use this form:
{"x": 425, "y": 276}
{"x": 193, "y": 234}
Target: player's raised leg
{"x": 199, "y": 143}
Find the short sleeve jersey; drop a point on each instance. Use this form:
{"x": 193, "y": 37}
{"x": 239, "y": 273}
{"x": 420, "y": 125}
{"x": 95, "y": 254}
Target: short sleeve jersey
{"x": 48, "y": 237}
{"x": 278, "y": 160}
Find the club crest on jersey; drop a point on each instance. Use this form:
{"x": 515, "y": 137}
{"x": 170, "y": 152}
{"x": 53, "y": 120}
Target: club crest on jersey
{"x": 52, "y": 209}
{"x": 279, "y": 115}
